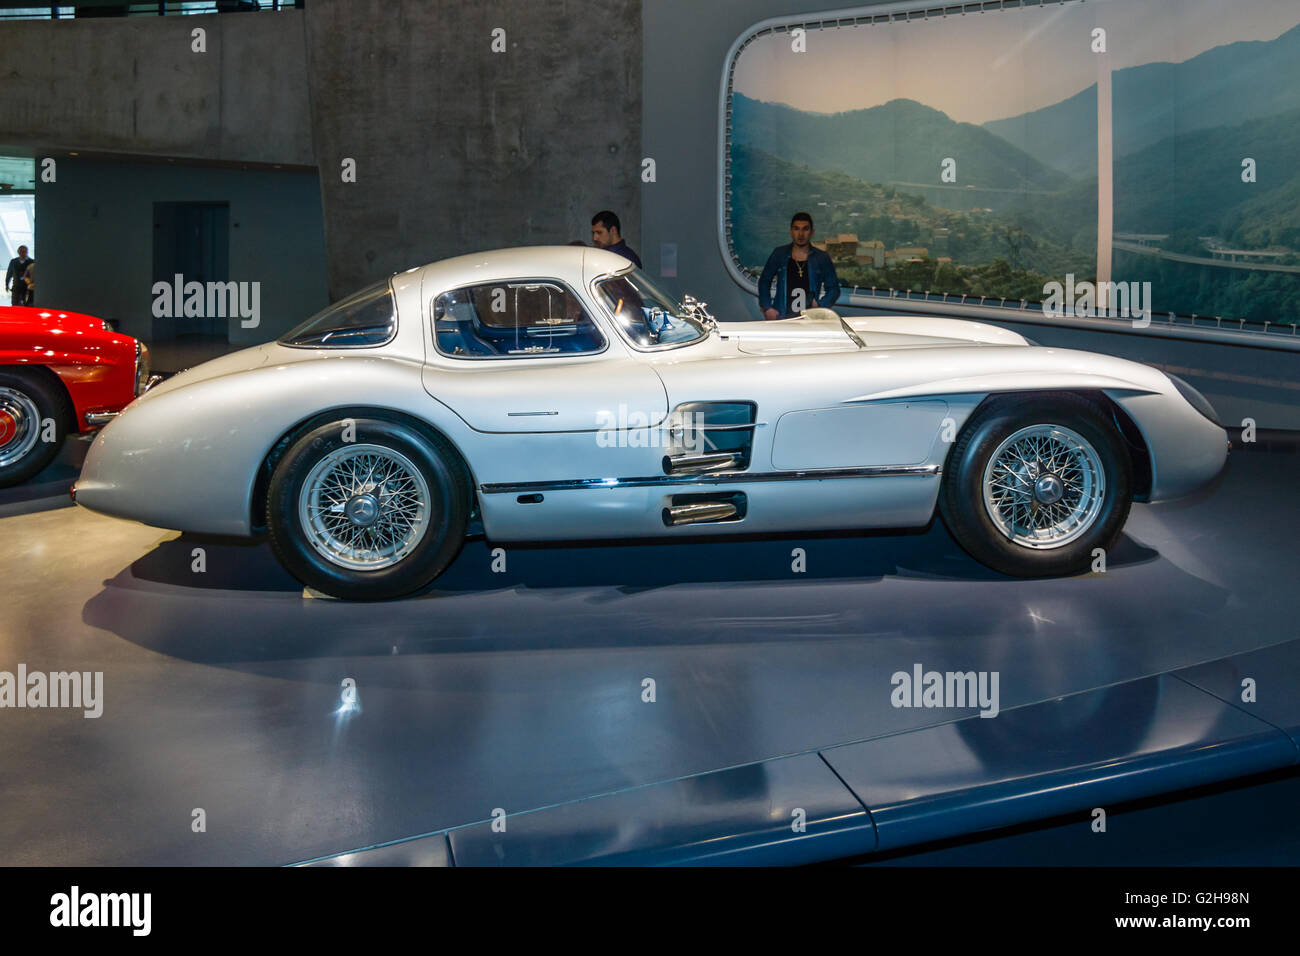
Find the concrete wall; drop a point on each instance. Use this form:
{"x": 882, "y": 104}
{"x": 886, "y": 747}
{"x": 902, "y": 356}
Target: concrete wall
{"x": 135, "y": 85}
{"x": 459, "y": 148}
{"x": 95, "y": 229}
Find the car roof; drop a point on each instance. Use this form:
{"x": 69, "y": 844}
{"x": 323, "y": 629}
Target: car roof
{"x": 573, "y": 264}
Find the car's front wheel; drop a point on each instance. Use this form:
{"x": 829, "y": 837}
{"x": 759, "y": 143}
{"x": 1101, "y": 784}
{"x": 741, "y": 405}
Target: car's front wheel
{"x": 1035, "y": 485}
{"x": 33, "y": 414}
{"x": 367, "y": 509}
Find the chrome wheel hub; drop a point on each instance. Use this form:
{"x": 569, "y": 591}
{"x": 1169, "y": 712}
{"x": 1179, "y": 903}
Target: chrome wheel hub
{"x": 362, "y": 510}
{"x": 364, "y": 507}
{"x": 1044, "y": 486}
{"x": 1048, "y": 489}
{"x": 20, "y": 426}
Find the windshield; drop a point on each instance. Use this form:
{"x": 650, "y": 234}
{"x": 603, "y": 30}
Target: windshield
{"x": 365, "y": 318}
{"x": 646, "y": 314}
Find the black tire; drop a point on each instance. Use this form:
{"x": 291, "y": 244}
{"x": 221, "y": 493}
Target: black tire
{"x": 448, "y": 507}
{"x": 962, "y": 496}
{"x": 23, "y": 439}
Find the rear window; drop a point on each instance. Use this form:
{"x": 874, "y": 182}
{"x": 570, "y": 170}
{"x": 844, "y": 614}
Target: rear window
{"x": 362, "y": 320}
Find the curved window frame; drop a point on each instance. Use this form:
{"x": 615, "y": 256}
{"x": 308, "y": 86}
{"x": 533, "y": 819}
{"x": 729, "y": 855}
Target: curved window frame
{"x": 618, "y": 326}
{"x": 392, "y": 333}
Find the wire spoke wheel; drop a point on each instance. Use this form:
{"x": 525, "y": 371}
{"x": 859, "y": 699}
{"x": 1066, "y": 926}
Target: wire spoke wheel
{"x": 364, "y": 507}
{"x": 20, "y": 426}
{"x": 1044, "y": 486}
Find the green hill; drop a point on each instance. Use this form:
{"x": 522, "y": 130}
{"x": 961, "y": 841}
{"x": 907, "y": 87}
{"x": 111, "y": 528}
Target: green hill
{"x": 1193, "y": 182}
{"x": 766, "y": 190}
{"x": 899, "y": 141}
{"x": 1222, "y": 86}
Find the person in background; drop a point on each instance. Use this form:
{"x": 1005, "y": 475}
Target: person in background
{"x": 607, "y": 233}
{"x": 14, "y": 283}
{"x": 804, "y": 275}
{"x": 29, "y": 280}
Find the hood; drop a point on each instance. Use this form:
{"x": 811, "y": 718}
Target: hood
{"x": 789, "y": 336}
{"x": 29, "y": 317}
{"x": 822, "y": 330}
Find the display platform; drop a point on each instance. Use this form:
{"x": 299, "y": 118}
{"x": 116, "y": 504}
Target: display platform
{"x": 520, "y": 693}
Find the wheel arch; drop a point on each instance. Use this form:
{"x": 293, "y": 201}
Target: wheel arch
{"x": 262, "y": 483}
{"x": 54, "y": 380}
{"x": 1138, "y": 451}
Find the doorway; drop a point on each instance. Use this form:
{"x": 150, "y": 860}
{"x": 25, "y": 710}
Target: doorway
{"x": 192, "y": 239}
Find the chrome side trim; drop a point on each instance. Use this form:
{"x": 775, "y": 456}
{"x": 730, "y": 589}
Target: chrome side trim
{"x": 721, "y": 478}
{"x": 724, "y": 428}
{"x": 96, "y": 419}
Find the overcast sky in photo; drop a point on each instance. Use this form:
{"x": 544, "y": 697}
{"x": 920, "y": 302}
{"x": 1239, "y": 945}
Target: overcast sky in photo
{"x": 974, "y": 67}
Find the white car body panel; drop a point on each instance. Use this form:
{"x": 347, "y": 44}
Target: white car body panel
{"x": 854, "y": 417}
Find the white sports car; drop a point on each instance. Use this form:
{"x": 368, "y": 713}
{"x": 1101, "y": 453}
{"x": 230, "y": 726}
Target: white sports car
{"x": 557, "y": 393}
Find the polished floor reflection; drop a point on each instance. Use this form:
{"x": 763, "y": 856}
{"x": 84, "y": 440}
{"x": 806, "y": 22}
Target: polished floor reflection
{"x": 522, "y": 689}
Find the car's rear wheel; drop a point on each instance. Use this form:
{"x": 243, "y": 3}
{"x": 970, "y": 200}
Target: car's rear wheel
{"x": 367, "y": 509}
{"x": 1034, "y": 486}
{"x": 33, "y": 424}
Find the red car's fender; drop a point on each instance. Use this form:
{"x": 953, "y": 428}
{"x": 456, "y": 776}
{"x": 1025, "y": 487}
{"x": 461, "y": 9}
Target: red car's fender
{"x": 99, "y": 368}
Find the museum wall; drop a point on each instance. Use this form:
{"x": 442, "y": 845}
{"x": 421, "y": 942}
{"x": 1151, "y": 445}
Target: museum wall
{"x": 135, "y": 85}
{"x": 95, "y": 228}
{"x": 458, "y": 147}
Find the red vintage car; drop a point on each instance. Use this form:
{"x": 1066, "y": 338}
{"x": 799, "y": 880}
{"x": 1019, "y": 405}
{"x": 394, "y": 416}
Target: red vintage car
{"x": 61, "y": 373}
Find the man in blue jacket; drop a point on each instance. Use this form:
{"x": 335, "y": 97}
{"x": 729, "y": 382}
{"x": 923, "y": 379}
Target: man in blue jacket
{"x": 805, "y": 276}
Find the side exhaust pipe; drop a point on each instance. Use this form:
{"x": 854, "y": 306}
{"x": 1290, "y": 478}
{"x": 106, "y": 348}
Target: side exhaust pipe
{"x": 698, "y": 512}
{"x": 718, "y": 461}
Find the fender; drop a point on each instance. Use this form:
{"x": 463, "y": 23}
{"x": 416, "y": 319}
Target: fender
{"x": 189, "y": 456}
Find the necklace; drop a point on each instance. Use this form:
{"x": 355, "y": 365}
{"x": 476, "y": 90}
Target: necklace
{"x": 798, "y": 266}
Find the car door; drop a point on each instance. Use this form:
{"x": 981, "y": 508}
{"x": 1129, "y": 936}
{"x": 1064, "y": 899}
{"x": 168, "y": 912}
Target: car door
{"x": 529, "y": 365}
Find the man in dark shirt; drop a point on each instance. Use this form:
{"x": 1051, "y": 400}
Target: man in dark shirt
{"x": 804, "y": 275}
{"x": 14, "y": 277}
{"x": 607, "y": 233}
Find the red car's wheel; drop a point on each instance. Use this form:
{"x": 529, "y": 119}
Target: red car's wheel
{"x": 33, "y": 424}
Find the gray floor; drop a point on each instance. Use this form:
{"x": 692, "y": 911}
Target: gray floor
{"x": 523, "y": 689}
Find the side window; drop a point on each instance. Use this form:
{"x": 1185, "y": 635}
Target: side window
{"x": 513, "y": 320}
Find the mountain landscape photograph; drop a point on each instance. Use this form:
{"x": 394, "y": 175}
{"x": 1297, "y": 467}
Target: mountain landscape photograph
{"x": 977, "y": 173}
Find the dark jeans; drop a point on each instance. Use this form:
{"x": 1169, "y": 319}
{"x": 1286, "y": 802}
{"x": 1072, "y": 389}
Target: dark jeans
{"x": 20, "y": 296}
